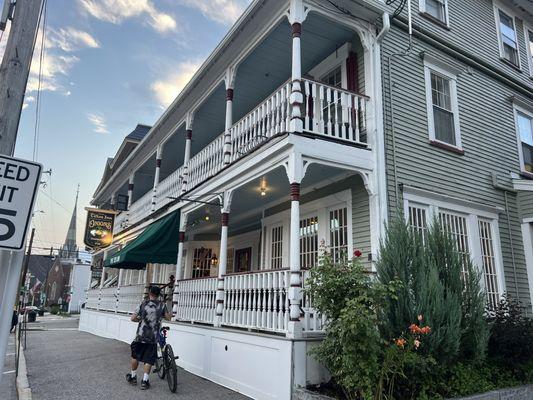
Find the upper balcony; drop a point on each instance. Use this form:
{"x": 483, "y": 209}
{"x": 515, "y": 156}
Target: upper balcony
{"x": 314, "y": 76}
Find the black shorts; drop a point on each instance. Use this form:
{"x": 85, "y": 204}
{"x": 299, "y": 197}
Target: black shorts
{"x": 144, "y": 352}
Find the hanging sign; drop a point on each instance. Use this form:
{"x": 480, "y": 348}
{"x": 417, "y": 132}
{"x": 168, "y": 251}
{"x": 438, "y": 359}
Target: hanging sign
{"x": 99, "y": 228}
{"x": 19, "y": 181}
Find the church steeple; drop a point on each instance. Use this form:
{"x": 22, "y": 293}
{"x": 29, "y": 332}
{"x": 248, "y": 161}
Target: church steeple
{"x": 70, "y": 249}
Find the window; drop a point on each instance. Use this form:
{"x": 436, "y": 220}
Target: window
{"x": 529, "y": 47}
{"x": 229, "y": 261}
{"x": 524, "y": 127}
{"x": 276, "y": 254}
{"x": 437, "y": 9}
{"x": 489, "y": 262}
{"x": 333, "y": 78}
{"x": 309, "y": 242}
{"x": 201, "y": 262}
{"x": 475, "y": 233}
{"x": 338, "y": 232}
{"x": 507, "y": 37}
{"x": 442, "y": 106}
{"x": 418, "y": 219}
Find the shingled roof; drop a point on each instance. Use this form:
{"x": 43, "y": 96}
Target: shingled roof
{"x": 39, "y": 265}
{"x": 139, "y": 132}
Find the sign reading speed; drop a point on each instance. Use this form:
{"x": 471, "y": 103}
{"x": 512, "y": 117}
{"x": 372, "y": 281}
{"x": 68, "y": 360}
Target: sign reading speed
{"x": 19, "y": 181}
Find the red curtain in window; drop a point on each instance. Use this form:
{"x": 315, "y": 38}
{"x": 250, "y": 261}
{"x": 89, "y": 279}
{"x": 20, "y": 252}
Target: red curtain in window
{"x": 352, "y": 72}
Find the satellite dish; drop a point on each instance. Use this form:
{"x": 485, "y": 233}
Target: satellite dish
{"x": 5, "y": 14}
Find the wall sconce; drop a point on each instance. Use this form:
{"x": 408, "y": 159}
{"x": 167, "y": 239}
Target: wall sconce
{"x": 263, "y": 187}
{"x": 214, "y": 260}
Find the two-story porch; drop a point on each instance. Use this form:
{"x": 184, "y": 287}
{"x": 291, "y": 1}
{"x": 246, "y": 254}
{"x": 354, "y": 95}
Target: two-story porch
{"x": 273, "y": 150}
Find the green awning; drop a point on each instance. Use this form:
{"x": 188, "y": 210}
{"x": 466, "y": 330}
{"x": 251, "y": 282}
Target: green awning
{"x": 156, "y": 244}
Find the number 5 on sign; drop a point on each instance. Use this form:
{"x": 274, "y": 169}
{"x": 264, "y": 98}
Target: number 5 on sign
{"x": 19, "y": 181}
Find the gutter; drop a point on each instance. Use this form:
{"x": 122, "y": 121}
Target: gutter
{"x": 385, "y": 29}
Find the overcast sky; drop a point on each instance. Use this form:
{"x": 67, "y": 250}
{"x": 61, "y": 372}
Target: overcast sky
{"x": 108, "y": 65}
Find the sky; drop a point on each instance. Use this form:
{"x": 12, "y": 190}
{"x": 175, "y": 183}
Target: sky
{"x": 106, "y": 66}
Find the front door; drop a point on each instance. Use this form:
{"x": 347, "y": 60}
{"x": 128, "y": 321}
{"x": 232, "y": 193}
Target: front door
{"x": 243, "y": 260}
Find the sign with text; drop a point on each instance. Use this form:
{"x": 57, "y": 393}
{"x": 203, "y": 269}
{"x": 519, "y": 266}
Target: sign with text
{"x": 19, "y": 181}
{"x": 99, "y": 228}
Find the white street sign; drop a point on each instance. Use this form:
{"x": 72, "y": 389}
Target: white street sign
{"x": 19, "y": 181}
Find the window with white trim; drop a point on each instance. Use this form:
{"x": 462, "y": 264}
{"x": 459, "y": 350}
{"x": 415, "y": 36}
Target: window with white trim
{"x": 276, "y": 253}
{"x": 507, "y": 37}
{"x": 524, "y": 128}
{"x": 529, "y": 46}
{"x": 338, "y": 232}
{"x": 489, "y": 262}
{"x": 475, "y": 235}
{"x": 437, "y": 9}
{"x": 309, "y": 242}
{"x": 442, "y": 105}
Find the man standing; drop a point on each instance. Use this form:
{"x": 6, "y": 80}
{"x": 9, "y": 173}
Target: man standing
{"x": 144, "y": 347}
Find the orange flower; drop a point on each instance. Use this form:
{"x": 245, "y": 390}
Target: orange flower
{"x": 425, "y": 330}
{"x": 414, "y": 328}
{"x": 400, "y": 343}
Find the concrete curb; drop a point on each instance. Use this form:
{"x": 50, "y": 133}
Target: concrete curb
{"x": 23, "y": 385}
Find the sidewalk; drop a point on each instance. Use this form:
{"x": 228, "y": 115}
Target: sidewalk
{"x": 7, "y": 385}
{"x": 65, "y": 364}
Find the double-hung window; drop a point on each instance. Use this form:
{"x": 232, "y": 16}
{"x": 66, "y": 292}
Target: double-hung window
{"x": 524, "y": 127}
{"x": 437, "y": 9}
{"x": 507, "y": 37}
{"x": 474, "y": 231}
{"x": 442, "y": 105}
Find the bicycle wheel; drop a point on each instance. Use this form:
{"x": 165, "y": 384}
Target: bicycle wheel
{"x": 171, "y": 369}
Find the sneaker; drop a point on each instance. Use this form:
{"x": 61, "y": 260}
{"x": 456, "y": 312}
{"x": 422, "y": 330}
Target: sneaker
{"x": 145, "y": 385}
{"x": 131, "y": 380}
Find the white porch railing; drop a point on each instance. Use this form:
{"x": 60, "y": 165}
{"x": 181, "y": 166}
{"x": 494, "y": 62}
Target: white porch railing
{"x": 140, "y": 208}
{"x": 92, "y": 298}
{"x": 129, "y": 297}
{"x": 206, "y": 163}
{"x": 108, "y": 299}
{"x": 257, "y": 300}
{"x": 195, "y": 300}
{"x": 168, "y": 187}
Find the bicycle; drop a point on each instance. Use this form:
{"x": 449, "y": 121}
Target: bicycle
{"x": 165, "y": 363}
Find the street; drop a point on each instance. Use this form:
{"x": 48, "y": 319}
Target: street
{"x": 64, "y": 363}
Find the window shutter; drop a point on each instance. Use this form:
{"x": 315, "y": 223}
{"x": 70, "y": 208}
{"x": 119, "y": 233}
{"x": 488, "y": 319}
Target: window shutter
{"x": 352, "y": 72}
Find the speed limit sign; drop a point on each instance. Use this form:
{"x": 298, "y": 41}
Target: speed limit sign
{"x": 19, "y": 181}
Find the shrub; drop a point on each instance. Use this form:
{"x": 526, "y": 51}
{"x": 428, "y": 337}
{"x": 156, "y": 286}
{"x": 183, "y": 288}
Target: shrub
{"x": 54, "y": 309}
{"x": 431, "y": 271}
{"x": 511, "y": 337}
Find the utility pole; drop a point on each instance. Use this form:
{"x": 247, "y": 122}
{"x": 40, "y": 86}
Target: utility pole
{"x": 15, "y": 68}
{"x": 14, "y": 71}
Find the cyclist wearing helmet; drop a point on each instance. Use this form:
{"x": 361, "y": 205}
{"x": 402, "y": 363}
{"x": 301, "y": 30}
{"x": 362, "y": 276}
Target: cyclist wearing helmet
{"x": 144, "y": 347}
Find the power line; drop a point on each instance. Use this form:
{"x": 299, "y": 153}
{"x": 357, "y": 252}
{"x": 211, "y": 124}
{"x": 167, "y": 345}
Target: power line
{"x": 37, "y": 102}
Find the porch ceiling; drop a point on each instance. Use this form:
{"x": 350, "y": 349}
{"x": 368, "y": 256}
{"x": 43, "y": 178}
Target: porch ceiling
{"x": 266, "y": 68}
{"x": 173, "y": 152}
{"x": 248, "y": 204}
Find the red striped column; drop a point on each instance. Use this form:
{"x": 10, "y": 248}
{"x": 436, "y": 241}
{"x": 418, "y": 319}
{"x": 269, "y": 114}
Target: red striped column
{"x": 179, "y": 270}
{"x": 230, "y": 83}
{"x": 223, "y": 258}
{"x": 295, "y": 289}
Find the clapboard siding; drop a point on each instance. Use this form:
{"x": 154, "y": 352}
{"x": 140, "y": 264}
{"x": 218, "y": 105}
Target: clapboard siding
{"x": 488, "y": 137}
{"x": 526, "y": 204}
{"x": 473, "y": 30}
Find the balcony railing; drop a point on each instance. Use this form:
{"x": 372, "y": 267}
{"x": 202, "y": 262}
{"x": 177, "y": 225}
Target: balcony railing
{"x": 195, "y": 300}
{"x": 327, "y": 112}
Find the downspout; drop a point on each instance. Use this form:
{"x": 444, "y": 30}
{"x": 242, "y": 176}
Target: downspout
{"x": 385, "y": 29}
{"x": 390, "y": 58}
{"x": 507, "y": 190}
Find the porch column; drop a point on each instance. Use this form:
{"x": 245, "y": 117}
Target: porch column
{"x": 130, "y": 190}
{"x": 295, "y": 172}
{"x": 297, "y": 15}
{"x": 112, "y": 201}
{"x": 189, "y": 119}
{"x": 179, "y": 264}
{"x": 223, "y": 256}
{"x": 156, "y": 175}
{"x": 230, "y": 85}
